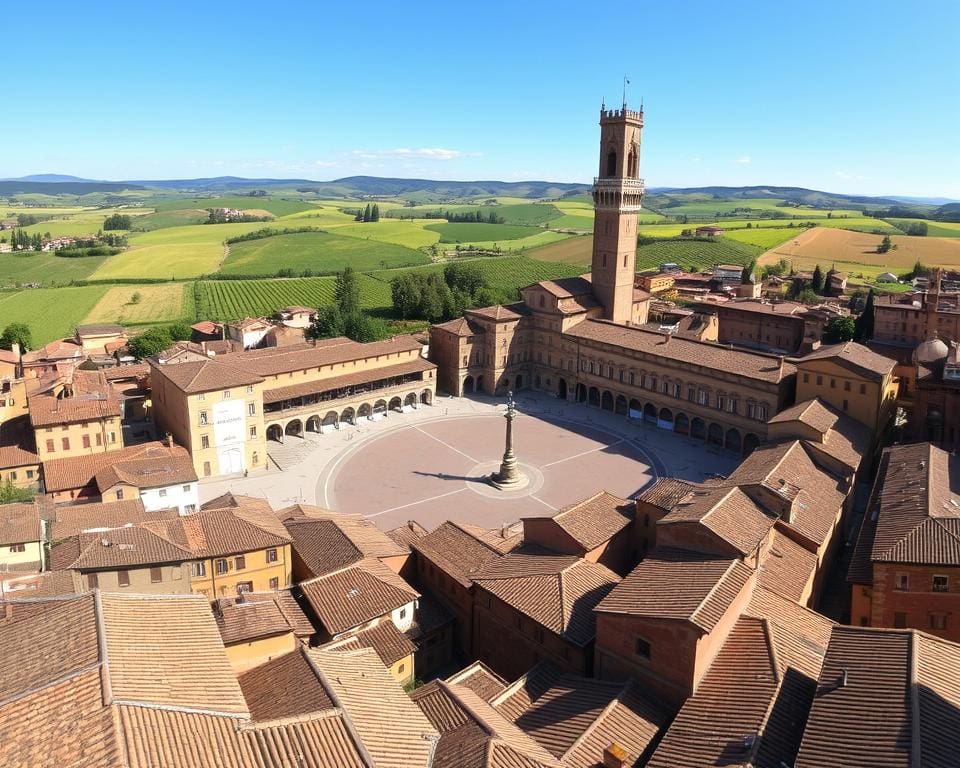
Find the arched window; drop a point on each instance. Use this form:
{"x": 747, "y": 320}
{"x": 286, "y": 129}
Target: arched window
{"x": 542, "y": 302}
{"x": 632, "y": 166}
{"x": 612, "y": 163}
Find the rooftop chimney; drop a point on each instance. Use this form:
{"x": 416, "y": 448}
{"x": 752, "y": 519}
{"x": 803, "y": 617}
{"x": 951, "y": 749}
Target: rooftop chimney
{"x": 614, "y": 756}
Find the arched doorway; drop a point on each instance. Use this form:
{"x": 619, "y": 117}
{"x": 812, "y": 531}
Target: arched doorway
{"x": 562, "y": 389}
{"x": 698, "y": 429}
{"x": 396, "y": 404}
{"x": 593, "y": 396}
{"x": 479, "y": 384}
{"x": 294, "y": 428}
{"x": 313, "y": 424}
{"x": 635, "y": 410}
{"x": 733, "y": 442}
{"x": 426, "y": 397}
{"x": 275, "y": 433}
{"x": 750, "y": 443}
{"x": 621, "y": 405}
{"x": 518, "y": 384}
{"x": 681, "y": 424}
{"x": 666, "y": 418}
{"x": 348, "y": 416}
{"x": 379, "y": 410}
{"x": 606, "y": 401}
{"x": 650, "y": 413}
{"x": 715, "y": 434}
{"x": 581, "y": 393}
{"x": 468, "y": 384}
{"x": 331, "y": 422}
{"x": 410, "y": 401}
{"x": 365, "y": 411}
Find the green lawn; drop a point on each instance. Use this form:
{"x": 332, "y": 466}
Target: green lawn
{"x": 412, "y": 234}
{"x": 50, "y": 313}
{"x": 469, "y": 233}
{"x": 178, "y": 218}
{"x": 934, "y": 228}
{"x": 45, "y": 268}
{"x": 319, "y": 252}
{"x": 276, "y": 206}
{"x": 521, "y": 214}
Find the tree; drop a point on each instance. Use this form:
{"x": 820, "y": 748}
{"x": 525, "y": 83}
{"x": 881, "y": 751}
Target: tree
{"x": 149, "y": 343}
{"x": 359, "y": 216}
{"x": 747, "y": 275}
{"x": 839, "y": 329}
{"x": 327, "y": 324}
{"x": 807, "y": 296}
{"x": 816, "y": 284}
{"x": 375, "y": 213}
{"x": 117, "y": 221}
{"x": 367, "y": 213}
{"x": 885, "y": 244}
{"x": 180, "y": 332}
{"x": 10, "y": 494}
{"x": 346, "y": 292}
{"x": 16, "y": 333}
{"x": 136, "y": 298}
{"x": 863, "y": 328}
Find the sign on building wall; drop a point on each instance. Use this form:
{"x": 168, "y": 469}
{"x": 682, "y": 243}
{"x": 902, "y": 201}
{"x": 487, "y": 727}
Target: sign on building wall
{"x": 228, "y": 422}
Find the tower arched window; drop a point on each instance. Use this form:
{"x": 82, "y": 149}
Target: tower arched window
{"x": 632, "y": 164}
{"x": 612, "y": 163}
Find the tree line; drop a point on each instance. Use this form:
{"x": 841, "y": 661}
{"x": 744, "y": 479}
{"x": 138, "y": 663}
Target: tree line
{"x": 116, "y": 221}
{"x": 435, "y": 296}
{"x": 458, "y": 217}
{"x": 368, "y": 214}
{"x": 345, "y": 317}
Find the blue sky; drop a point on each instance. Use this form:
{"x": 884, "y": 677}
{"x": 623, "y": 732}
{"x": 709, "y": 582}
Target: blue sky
{"x": 843, "y": 96}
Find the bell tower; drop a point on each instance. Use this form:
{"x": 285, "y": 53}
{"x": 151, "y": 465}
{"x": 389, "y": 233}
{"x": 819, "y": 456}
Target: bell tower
{"x": 617, "y": 194}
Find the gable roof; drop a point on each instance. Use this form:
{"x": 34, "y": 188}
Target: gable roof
{"x": 480, "y": 679}
{"x": 116, "y": 548}
{"x": 727, "y": 512}
{"x": 559, "y": 592}
{"x": 226, "y": 531}
{"x": 92, "y": 400}
{"x": 80, "y": 471}
{"x": 457, "y": 550}
{"x": 268, "y": 688}
{"x": 679, "y": 585}
{"x": 595, "y": 520}
{"x": 72, "y": 519}
{"x": 20, "y": 523}
{"x": 841, "y": 437}
{"x": 150, "y": 471}
{"x": 853, "y": 356}
{"x": 196, "y": 376}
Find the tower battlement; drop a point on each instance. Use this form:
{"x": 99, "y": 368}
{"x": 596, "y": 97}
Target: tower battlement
{"x": 621, "y": 114}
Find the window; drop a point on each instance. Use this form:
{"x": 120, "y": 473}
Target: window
{"x": 244, "y": 586}
{"x": 226, "y": 394}
{"x": 846, "y": 386}
{"x": 156, "y": 575}
{"x": 901, "y": 582}
{"x": 274, "y": 583}
{"x": 846, "y": 404}
{"x": 240, "y": 562}
{"x": 761, "y": 412}
{"x": 941, "y": 584}
{"x": 163, "y": 493}
{"x": 538, "y": 635}
{"x": 204, "y": 441}
{"x": 18, "y": 547}
{"x": 13, "y": 475}
{"x": 702, "y": 397}
{"x": 256, "y": 459}
{"x": 190, "y": 509}
{"x": 401, "y": 668}
{"x": 86, "y": 441}
{"x": 899, "y": 620}
{"x": 92, "y": 582}
{"x": 272, "y": 556}
{"x": 806, "y": 378}
{"x": 253, "y": 432}
{"x": 819, "y": 381}
{"x": 202, "y": 396}
{"x": 113, "y": 437}
{"x": 249, "y": 389}
{"x": 221, "y": 566}
{"x": 99, "y": 439}
{"x": 206, "y": 469}
{"x": 123, "y": 578}
{"x": 251, "y": 409}
{"x": 938, "y": 621}
{"x": 721, "y": 402}
{"x": 29, "y": 474}
{"x": 119, "y": 494}
{"x": 863, "y": 389}
{"x": 403, "y": 613}
{"x": 642, "y": 648}
{"x": 186, "y": 489}
{"x": 65, "y": 442}
{"x": 203, "y": 418}
{"x": 198, "y": 569}
{"x": 833, "y": 383}
{"x": 50, "y": 448}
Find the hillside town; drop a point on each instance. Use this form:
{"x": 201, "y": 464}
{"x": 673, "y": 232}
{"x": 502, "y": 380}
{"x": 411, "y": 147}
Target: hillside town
{"x": 800, "y": 611}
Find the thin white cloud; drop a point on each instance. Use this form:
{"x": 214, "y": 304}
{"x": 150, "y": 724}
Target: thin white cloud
{"x": 744, "y": 160}
{"x": 422, "y": 153}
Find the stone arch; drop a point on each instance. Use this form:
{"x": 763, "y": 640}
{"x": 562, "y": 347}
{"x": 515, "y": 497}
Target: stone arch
{"x": 636, "y": 409}
{"x": 665, "y": 415}
{"x": 518, "y": 384}
{"x": 330, "y": 422}
{"x": 349, "y": 416}
{"x": 715, "y": 434}
{"x": 606, "y": 400}
{"x": 697, "y": 428}
{"x": 365, "y": 411}
{"x": 379, "y": 409}
{"x": 612, "y": 163}
{"x": 313, "y": 424}
{"x": 621, "y": 406}
{"x": 650, "y": 413}
{"x": 562, "y": 388}
{"x": 750, "y": 443}
{"x": 733, "y": 441}
{"x": 593, "y": 396}
{"x": 294, "y": 428}
{"x": 581, "y": 393}
{"x": 426, "y": 397}
{"x": 479, "y": 384}
{"x": 632, "y": 162}
{"x": 395, "y": 404}
{"x": 468, "y": 384}
{"x": 410, "y": 401}
{"x": 681, "y": 424}
{"x": 275, "y": 433}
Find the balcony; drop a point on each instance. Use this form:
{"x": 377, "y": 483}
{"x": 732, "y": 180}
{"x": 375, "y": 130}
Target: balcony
{"x": 618, "y": 193}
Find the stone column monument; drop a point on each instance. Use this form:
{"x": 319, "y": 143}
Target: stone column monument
{"x": 510, "y": 477}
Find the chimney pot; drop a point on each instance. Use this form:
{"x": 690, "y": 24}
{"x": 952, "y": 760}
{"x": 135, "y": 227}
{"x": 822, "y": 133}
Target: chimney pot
{"x": 614, "y": 756}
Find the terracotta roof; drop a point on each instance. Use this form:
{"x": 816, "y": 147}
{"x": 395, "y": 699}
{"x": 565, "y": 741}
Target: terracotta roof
{"x": 558, "y": 592}
{"x": 480, "y": 679}
{"x": 133, "y": 370}
{"x": 430, "y": 616}
{"x": 80, "y": 471}
{"x": 787, "y": 568}
{"x": 99, "y": 329}
{"x": 93, "y": 399}
{"x": 840, "y": 436}
{"x": 596, "y": 520}
{"x": 406, "y": 535}
{"x": 205, "y": 375}
{"x": 853, "y": 356}
{"x": 728, "y": 513}
{"x": 885, "y": 697}
{"x": 913, "y": 515}
{"x": 17, "y": 448}
{"x": 207, "y": 327}
{"x": 784, "y": 308}
{"x": 700, "y": 353}
{"x": 243, "y": 621}
{"x": 20, "y": 523}
{"x": 505, "y": 539}
{"x": 72, "y": 519}
{"x": 149, "y": 472}
{"x": 284, "y": 687}
{"x": 496, "y": 312}
{"x": 117, "y": 548}
{"x": 456, "y": 551}
{"x": 682, "y": 586}
{"x": 393, "y": 729}
{"x": 347, "y": 380}
{"x": 567, "y": 287}
{"x": 227, "y": 531}
{"x": 357, "y": 594}
{"x": 666, "y": 492}
{"x": 390, "y": 643}
{"x": 37, "y": 585}
{"x": 460, "y": 326}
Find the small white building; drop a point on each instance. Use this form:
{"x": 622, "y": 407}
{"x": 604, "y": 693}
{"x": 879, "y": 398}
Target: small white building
{"x": 887, "y": 277}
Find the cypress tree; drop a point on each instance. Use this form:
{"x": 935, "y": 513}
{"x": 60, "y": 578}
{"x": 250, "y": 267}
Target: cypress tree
{"x": 817, "y": 284}
{"x": 863, "y": 330}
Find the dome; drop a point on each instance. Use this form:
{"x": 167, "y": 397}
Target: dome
{"x": 930, "y": 351}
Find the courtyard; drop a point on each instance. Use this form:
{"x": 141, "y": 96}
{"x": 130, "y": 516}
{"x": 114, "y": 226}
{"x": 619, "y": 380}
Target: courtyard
{"x": 430, "y": 463}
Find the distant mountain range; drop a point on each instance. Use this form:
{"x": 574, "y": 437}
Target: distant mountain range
{"x": 429, "y": 190}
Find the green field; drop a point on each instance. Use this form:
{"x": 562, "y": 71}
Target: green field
{"x": 277, "y": 207}
{"x": 179, "y": 218}
{"x": 934, "y": 228}
{"x": 45, "y": 268}
{"x": 319, "y": 252}
{"x": 521, "y": 214}
{"x": 469, "y": 233}
{"x": 235, "y": 299}
{"x": 412, "y": 234}
{"x": 763, "y": 237}
{"x": 144, "y": 304}
{"x": 695, "y": 255}
{"x": 50, "y": 313}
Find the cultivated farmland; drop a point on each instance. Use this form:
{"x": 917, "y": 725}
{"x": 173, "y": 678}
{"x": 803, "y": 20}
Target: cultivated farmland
{"x": 50, "y": 313}
{"x": 143, "y": 304}
{"x": 459, "y": 232}
{"x": 45, "y": 268}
